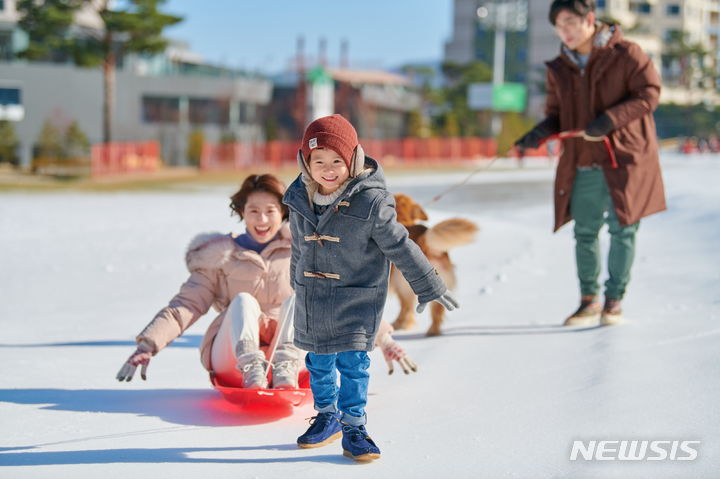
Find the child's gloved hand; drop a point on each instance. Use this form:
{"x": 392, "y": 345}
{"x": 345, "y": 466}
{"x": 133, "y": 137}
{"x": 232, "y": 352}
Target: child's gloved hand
{"x": 447, "y": 300}
{"x": 142, "y": 355}
{"x": 393, "y": 352}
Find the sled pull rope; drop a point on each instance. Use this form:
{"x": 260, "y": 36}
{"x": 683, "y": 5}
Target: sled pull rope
{"x": 284, "y": 323}
{"x": 563, "y": 135}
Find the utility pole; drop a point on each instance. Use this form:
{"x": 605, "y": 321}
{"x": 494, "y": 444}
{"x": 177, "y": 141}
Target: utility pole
{"x": 501, "y": 12}
{"x": 299, "y": 107}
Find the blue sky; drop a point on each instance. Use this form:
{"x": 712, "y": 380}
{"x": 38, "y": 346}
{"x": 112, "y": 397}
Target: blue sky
{"x": 261, "y": 35}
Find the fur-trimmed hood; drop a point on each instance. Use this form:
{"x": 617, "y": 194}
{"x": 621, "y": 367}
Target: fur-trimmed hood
{"x": 215, "y": 249}
{"x": 357, "y": 168}
{"x": 605, "y": 35}
{"x": 220, "y": 269}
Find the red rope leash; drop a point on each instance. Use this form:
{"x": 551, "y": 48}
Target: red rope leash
{"x": 563, "y": 135}
{"x": 467, "y": 178}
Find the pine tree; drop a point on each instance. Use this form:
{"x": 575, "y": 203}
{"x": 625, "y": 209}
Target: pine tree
{"x": 49, "y": 143}
{"x": 450, "y": 128}
{"x": 9, "y": 142}
{"x": 136, "y": 28}
{"x": 47, "y": 24}
{"x": 690, "y": 58}
{"x": 415, "y": 128}
{"x": 514, "y": 125}
{"x": 196, "y": 142}
{"x": 454, "y": 97}
{"x": 75, "y": 143}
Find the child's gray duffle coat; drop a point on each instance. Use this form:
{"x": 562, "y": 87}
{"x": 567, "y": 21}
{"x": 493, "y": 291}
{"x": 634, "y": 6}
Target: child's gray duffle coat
{"x": 341, "y": 263}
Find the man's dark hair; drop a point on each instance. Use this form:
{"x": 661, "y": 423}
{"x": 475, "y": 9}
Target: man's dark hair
{"x": 578, "y": 7}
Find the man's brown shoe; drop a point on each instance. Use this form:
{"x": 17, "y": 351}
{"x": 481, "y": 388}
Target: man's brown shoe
{"x": 587, "y": 314}
{"x": 612, "y": 312}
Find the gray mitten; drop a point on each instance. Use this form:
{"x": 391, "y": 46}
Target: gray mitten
{"x": 446, "y": 299}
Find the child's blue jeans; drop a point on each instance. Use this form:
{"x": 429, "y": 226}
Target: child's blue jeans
{"x": 351, "y": 397}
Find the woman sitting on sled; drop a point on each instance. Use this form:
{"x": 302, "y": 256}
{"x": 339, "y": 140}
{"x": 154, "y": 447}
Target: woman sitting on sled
{"x": 246, "y": 278}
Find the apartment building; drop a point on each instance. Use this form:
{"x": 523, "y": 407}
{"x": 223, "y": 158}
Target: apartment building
{"x": 662, "y": 27}
{"x": 657, "y": 25}
{"x": 473, "y": 35}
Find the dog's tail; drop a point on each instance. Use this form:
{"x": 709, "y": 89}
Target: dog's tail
{"x": 450, "y": 234}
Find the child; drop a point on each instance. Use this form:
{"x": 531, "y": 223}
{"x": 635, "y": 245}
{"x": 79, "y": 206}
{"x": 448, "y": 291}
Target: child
{"x": 342, "y": 220}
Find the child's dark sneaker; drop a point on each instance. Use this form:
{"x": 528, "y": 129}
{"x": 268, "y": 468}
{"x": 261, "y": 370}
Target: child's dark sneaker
{"x": 324, "y": 429}
{"x": 588, "y": 314}
{"x": 612, "y": 312}
{"x": 357, "y": 444}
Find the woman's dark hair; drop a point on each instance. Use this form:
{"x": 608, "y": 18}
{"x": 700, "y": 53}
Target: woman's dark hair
{"x": 254, "y": 183}
{"x": 578, "y": 7}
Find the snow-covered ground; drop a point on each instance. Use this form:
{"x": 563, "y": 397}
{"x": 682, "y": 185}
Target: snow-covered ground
{"x": 503, "y": 393}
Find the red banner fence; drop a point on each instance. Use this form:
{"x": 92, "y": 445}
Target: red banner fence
{"x": 117, "y": 158}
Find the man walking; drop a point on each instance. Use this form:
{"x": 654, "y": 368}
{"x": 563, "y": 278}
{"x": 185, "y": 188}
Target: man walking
{"x": 608, "y": 87}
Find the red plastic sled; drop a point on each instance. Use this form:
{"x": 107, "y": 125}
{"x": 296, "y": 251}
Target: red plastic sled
{"x": 268, "y": 397}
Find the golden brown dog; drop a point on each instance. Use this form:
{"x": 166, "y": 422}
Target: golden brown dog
{"x": 435, "y": 242}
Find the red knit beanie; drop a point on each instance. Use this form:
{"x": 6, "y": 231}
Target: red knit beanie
{"x": 333, "y": 132}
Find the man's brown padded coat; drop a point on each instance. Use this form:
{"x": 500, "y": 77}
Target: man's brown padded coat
{"x": 621, "y": 81}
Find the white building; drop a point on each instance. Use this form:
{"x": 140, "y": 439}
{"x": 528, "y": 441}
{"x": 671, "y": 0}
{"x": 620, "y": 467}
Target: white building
{"x": 161, "y": 97}
{"x": 658, "y": 26}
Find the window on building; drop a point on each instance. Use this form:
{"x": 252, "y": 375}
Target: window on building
{"x": 714, "y": 18}
{"x": 206, "y": 110}
{"x": 6, "y": 49}
{"x": 521, "y": 55}
{"x": 2, "y": 4}
{"x": 673, "y": 35}
{"x": 600, "y": 4}
{"x": 11, "y": 104}
{"x": 156, "y": 109}
{"x": 673, "y": 9}
{"x": 247, "y": 113}
{"x": 10, "y": 96}
{"x": 666, "y": 62}
{"x": 641, "y": 7}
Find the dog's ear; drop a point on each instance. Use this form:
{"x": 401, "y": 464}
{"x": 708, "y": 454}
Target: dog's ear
{"x": 400, "y": 198}
{"x": 418, "y": 213}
